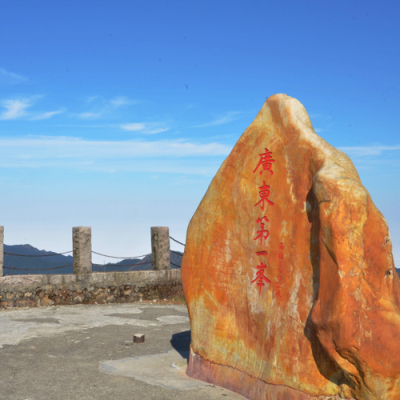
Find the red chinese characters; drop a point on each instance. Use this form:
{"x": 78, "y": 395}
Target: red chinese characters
{"x": 265, "y": 161}
{"x": 260, "y": 277}
{"x": 262, "y": 234}
{"x": 264, "y": 194}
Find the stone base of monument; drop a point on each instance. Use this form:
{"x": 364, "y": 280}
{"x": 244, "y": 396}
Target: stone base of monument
{"x": 244, "y": 384}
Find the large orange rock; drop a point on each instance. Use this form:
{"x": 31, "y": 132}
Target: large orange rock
{"x": 288, "y": 271}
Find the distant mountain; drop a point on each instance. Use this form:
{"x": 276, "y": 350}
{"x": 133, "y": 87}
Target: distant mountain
{"x": 37, "y": 263}
{"x": 34, "y": 265}
{"x": 144, "y": 264}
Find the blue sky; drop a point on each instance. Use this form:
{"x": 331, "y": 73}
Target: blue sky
{"x": 117, "y": 114}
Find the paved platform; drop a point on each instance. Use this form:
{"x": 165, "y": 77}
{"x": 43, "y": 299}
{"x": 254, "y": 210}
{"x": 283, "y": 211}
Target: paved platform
{"x": 87, "y": 352}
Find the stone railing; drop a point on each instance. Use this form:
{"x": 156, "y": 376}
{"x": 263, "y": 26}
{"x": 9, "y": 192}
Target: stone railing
{"x": 86, "y": 286}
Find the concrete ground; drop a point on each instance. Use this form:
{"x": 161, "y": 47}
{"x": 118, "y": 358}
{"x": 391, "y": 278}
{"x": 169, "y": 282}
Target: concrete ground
{"x": 87, "y": 352}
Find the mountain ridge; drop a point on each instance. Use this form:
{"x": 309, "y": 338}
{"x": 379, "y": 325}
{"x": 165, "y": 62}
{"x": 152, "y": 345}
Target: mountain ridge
{"x": 39, "y": 265}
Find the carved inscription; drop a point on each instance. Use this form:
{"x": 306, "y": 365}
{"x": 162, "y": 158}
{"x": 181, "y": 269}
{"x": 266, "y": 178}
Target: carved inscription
{"x": 265, "y": 161}
{"x": 264, "y": 194}
{"x": 260, "y": 277}
{"x": 262, "y": 234}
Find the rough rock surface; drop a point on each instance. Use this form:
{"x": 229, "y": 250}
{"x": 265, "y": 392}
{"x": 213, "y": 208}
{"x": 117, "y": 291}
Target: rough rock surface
{"x": 288, "y": 271}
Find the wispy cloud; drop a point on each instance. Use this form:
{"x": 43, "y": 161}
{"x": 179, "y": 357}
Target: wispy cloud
{"x": 91, "y": 99}
{"x": 325, "y": 129}
{"x": 20, "y": 108}
{"x": 321, "y": 120}
{"x": 90, "y": 115}
{"x": 70, "y": 152}
{"x": 148, "y": 128}
{"x": 221, "y": 120}
{"x": 86, "y": 126}
{"x": 47, "y": 115}
{"x": 14, "y": 109}
{"x": 364, "y": 151}
{"x": 120, "y": 101}
{"x": 134, "y": 127}
{"x": 100, "y": 107}
{"x": 10, "y": 77}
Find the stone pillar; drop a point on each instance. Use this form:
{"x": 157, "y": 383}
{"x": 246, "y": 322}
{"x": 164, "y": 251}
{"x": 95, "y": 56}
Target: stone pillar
{"x": 160, "y": 251}
{"x": 82, "y": 245}
{"x": 1, "y": 249}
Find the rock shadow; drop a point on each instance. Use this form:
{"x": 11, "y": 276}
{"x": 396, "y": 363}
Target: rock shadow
{"x": 325, "y": 364}
{"x": 181, "y": 343}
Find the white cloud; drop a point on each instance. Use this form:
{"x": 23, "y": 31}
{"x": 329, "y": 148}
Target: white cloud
{"x": 18, "y": 108}
{"x": 89, "y": 115}
{"x": 85, "y": 126}
{"x": 322, "y": 120}
{"x": 14, "y": 108}
{"x": 70, "y": 152}
{"x": 134, "y": 127}
{"x": 91, "y": 99}
{"x": 156, "y": 130}
{"x": 101, "y": 107}
{"x": 325, "y": 129}
{"x": 225, "y": 119}
{"x": 46, "y": 115}
{"x": 146, "y": 128}
{"x": 10, "y": 77}
{"x": 364, "y": 151}
{"x": 119, "y": 102}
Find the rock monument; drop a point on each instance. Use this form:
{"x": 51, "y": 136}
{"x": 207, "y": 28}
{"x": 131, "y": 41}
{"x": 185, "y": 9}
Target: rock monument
{"x": 288, "y": 271}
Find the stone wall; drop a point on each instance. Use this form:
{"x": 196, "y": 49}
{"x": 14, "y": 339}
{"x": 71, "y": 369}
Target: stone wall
{"x": 101, "y": 287}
